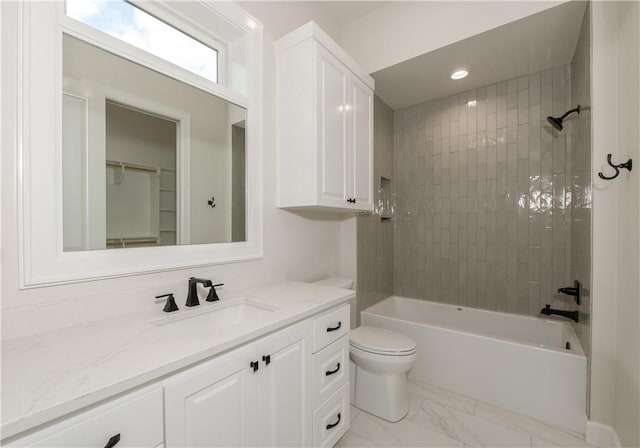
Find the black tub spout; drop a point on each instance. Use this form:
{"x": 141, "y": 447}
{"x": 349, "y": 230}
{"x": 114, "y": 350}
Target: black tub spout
{"x": 573, "y": 315}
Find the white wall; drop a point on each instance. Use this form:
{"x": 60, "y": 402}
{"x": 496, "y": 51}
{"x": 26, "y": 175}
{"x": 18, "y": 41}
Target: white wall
{"x": 615, "y": 366}
{"x": 402, "y": 30}
{"x": 296, "y": 247}
{"x": 140, "y": 138}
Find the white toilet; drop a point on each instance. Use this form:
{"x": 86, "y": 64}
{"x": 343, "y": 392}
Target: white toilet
{"x": 380, "y": 360}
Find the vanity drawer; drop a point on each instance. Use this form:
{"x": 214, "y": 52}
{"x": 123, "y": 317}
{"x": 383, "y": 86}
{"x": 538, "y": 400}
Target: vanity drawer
{"x": 330, "y": 326}
{"x": 137, "y": 419}
{"x": 331, "y": 420}
{"x": 330, "y": 370}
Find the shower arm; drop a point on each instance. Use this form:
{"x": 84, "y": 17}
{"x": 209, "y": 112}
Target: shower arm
{"x": 577, "y": 109}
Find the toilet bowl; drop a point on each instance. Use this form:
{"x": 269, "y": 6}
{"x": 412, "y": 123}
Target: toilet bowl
{"x": 380, "y": 362}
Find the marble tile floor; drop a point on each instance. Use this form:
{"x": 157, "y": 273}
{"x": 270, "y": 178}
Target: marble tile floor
{"x": 439, "y": 418}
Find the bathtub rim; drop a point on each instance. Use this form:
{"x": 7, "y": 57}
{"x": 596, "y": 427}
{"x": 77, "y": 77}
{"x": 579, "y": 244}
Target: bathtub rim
{"x": 573, "y": 337}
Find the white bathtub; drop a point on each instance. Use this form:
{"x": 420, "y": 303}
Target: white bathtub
{"x": 519, "y": 363}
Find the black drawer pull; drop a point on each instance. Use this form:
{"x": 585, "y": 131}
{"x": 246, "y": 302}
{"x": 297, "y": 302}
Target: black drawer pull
{"x": 335, "y": 328}
{"x": 266, "y": 359}
{"x": 333, "y": 425}
{"x": 113, "y": 441}
{"x": 331, "y": 372}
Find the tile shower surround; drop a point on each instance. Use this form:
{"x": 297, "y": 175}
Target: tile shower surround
{"x": 483, "y": 198}
{"x": 581, "y": 184}
{"x": 375, "y": 237}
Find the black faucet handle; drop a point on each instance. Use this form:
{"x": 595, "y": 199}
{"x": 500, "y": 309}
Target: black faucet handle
{"x": 170, "y": 305}
{"x": 547, "y": 306}
{"x": 213, "y": 295}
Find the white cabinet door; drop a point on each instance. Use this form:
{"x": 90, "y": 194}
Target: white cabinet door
{"x": 214, "y": 404}
{"x": 360, "y": 107}
{"x": 324, "y": 125}
{"x": 332, "y": 129}
{"x": 134, "y": 420}
{"x": 285, "y": 387}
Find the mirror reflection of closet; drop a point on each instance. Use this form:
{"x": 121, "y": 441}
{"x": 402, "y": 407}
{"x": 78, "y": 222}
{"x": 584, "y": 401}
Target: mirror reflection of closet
{"x": 141, "y": 178}
{"x": 143, "y": 154}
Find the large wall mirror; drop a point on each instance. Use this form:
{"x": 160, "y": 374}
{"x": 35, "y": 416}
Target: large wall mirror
{"x": 162, "y": 163}
{"x": 148, "y": 137}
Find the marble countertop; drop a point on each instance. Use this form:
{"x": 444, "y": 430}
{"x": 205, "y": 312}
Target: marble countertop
{"x": 49, "y": 375}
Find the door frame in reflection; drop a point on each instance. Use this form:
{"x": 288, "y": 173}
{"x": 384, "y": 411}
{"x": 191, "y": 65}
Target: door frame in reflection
{"x": 92, "y": 215}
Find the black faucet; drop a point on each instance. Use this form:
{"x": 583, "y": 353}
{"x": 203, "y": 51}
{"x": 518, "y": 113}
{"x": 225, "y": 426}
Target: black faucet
{"x": 548, "y": 311}
{"x": 575, "y": 291}
{"x": 192, "y": 296}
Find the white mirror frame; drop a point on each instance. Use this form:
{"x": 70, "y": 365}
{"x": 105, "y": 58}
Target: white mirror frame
{"x": 43, "y": 261}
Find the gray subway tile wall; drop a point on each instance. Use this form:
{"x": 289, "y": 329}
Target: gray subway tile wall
{"x": 375, "y": 236}
{"x": 581, "y": 183}
{"x": 483, "y": 186}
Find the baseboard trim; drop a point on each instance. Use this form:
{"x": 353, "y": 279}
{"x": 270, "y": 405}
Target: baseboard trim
{"x": 601, "y": 435}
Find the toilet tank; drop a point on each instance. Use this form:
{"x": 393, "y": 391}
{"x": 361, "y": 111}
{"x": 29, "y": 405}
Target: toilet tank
{"x": 336, "y": 282}
{"x": 344, "y": 283}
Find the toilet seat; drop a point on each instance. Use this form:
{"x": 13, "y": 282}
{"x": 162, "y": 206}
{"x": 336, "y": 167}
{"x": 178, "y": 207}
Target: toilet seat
{"x": 380, "y": 341}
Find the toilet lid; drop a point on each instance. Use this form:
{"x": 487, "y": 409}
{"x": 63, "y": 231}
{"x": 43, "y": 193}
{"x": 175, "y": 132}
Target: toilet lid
{"x": 379, "y": 340}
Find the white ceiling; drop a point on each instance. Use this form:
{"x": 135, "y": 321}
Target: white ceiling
{"x": 535, "y": 43}
{"x": 280, "y": 17}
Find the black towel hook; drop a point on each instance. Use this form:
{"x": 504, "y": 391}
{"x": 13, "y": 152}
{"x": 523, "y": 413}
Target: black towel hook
{"x": 626, "y": 165}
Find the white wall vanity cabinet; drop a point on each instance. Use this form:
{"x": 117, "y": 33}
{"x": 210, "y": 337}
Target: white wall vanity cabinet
{"x": 324, "y": 125}
{"x": 288, "y": 388}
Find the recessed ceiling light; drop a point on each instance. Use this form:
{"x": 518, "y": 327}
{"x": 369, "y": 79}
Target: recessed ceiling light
{"x": 459, "y": 74}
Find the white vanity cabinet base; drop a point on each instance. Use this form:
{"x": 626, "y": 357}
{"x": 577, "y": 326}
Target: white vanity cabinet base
{"x": 331, "y": 392}
{"x": 334, "y": 410}
{"x": 285, "y": 387}
{"x": 333, "y": 358}
{"x": 272, "y": 392}
{"x": 137, "y": 417}
{"x": 330, "y": 327}
{"x": 227, "y": 402}
{"x": 213, "y": 404}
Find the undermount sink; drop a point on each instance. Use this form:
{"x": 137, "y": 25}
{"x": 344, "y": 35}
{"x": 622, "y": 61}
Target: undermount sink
{"x": 223, "y": 314}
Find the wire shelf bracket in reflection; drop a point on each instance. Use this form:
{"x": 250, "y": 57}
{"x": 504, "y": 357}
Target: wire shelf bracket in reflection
{"x": 626, "y": 165}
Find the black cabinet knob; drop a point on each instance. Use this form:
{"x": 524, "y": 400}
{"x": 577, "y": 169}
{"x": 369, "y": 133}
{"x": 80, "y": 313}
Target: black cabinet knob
{"x": 255, "y": 365}
{"x": 266, "y": 359}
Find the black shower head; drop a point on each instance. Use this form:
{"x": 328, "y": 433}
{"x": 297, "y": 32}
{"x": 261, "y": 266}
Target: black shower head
{"x": 556, "y": 122}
